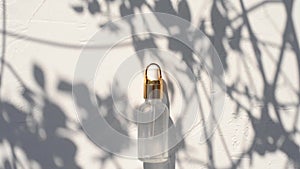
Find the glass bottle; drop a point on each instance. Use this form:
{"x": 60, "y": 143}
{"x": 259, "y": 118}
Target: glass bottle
{"x": 153, "y": 119}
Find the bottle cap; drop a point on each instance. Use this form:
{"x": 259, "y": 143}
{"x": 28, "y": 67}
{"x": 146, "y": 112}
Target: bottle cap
{"x": 153, "y": 82}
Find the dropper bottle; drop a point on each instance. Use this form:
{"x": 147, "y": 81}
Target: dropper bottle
{"x": 153, "y": 119}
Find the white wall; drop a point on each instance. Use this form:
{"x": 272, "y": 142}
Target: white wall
{"x": 51, "y": 35}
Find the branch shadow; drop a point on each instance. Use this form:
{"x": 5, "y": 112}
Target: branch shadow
{"x": 37, "y": 132}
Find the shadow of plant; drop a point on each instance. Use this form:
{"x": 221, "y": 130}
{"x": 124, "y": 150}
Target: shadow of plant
{"x": 269, "y": 135}
{"x": 35, "y": 132}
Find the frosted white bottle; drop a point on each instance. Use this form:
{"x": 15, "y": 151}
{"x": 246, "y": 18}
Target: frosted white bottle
{"x": 153, "y": 119}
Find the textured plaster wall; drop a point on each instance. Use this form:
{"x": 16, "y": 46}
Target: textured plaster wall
{"x": 44, "y": 38}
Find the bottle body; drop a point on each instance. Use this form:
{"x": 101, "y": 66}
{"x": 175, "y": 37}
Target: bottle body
{"x": 152, "y": 131}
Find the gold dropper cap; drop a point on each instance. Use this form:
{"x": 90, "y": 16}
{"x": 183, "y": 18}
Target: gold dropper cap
{"x": 153, "y": 88}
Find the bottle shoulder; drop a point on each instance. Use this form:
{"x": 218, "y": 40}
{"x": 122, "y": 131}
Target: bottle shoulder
{"x": 149, "y": 105}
